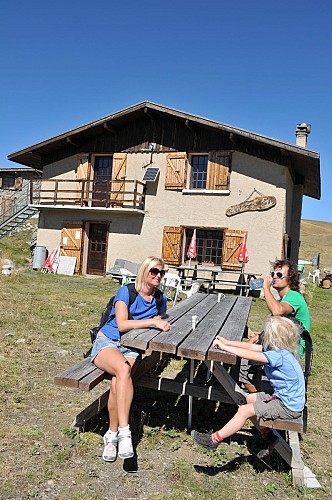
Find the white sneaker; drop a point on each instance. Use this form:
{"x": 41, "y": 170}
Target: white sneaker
{"x": 125, "y": 445}
{"x": 110, "y": 450}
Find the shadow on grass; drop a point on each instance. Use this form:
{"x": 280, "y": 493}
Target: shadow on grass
{"x": 167, "y": 411}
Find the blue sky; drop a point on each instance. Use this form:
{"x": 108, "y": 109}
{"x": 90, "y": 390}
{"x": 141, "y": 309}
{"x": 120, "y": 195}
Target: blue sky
{"x": 261, "y": 66}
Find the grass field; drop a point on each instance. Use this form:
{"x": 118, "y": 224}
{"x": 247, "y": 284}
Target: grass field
{"x": 44, "y": 325}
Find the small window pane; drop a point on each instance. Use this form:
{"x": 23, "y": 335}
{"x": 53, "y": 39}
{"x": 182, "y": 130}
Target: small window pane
{"x": 199, "y": 165}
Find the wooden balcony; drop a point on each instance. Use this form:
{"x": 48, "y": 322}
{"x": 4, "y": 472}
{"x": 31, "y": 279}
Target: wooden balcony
{"x": 114, "y": 194}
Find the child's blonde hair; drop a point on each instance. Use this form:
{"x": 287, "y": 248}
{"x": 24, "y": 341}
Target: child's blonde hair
{"x": 143, "y": 272}
{"x": 281, "y": 333}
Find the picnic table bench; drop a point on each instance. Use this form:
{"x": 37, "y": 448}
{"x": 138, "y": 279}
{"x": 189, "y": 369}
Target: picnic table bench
{"x": 195, "y": 323}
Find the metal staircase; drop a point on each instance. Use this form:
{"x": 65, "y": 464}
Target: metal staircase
{"x": 16, "y": 220}
{"x": 18, "y": 212}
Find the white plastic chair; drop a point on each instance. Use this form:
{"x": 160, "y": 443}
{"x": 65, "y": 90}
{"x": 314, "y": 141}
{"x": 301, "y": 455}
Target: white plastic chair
{"x": 314, "y": 276}
{"x": 171, "y": 286}
{"x": 127, "y": 276}
{"x": 193, "y": 288}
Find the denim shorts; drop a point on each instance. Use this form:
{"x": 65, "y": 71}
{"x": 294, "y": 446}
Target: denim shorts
{"x": 103, "y": 342}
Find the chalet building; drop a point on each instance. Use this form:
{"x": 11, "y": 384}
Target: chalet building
{"x": 138, "y": 182}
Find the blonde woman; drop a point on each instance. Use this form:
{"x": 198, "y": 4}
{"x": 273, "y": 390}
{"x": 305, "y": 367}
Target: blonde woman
{"x": 109, "y": 355}
{"x": 283, "y": 370}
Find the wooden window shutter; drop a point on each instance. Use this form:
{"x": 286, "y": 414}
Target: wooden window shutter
{"x": 18, "y": 182}
{"x": 231, "y": 244}
{"x": 82, "y": 171}
{"x": 172, "y": 245}
{"x": 118, "y": 178}
{"x": 176, "y": 171}
{"x": 82, "y": 177}
{"x": 218, "y": 170}
{"x": 72, "y": 242}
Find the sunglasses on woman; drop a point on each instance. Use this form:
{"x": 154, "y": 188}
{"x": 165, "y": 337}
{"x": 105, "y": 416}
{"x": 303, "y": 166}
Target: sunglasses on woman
{"x": 278, "y": 275}
{"x": 155, "y": 271}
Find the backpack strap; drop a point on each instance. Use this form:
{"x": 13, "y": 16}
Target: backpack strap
{"x": 158, "y": 295}
{"x": 132, "y": 297}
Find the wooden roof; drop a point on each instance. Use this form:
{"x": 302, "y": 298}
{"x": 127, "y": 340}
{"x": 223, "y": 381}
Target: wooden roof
{"x": 304, "y": 162}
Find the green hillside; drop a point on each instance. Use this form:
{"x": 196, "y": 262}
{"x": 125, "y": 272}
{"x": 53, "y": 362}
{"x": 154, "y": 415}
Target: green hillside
{"x": 316, "y": 237}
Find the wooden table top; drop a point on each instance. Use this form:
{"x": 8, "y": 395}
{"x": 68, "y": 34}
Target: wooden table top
{"x": 227, "y": 318}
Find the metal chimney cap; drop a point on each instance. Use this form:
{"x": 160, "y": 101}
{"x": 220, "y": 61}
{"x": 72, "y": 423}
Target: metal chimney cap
{"x": 303, "y": 127}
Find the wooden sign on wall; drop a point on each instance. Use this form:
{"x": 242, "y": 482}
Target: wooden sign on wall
{"x": 259, "y": 203}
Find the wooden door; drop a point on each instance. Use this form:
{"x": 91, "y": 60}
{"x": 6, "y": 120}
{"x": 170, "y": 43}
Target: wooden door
{"x": 103, "y": 168}
{"x": 97, "y": 249}
{"x": 71, "y": 243}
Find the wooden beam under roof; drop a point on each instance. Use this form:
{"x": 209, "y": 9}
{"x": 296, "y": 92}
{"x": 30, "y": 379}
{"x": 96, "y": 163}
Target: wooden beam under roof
{"x": 71, "y": 142}
{"x": 110, "y": 129}
{"x": 189, "y": 125}
{"x": 149, "y": 114}
{"x": 233, "y": 138}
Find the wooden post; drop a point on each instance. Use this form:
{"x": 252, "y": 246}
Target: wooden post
{"x": 82, "y": 192}
{"x": 56, "y": 186}
{"x": 31, "y": 191}
{"x": 135, "y": 193}
{"x": 191, "y": 379}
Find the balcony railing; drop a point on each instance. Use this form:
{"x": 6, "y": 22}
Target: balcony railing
{"x": 113, "y": 193}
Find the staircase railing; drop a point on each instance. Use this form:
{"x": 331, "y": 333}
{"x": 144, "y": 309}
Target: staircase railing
{"x": 14, "y": 202}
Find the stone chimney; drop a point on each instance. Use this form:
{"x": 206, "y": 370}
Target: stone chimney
{"x": 302, "y": 132}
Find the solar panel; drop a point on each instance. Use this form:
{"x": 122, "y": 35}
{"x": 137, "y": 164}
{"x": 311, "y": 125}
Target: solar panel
{"x": 151, "y": 174}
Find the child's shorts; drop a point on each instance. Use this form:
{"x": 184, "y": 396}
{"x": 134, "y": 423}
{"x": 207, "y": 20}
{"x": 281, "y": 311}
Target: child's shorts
{"x": 271, "y": 408}
{"x": 103, "y": 342}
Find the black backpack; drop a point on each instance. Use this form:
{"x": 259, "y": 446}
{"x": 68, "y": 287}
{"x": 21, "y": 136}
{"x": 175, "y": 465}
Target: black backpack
{"x": 132, "y": 297}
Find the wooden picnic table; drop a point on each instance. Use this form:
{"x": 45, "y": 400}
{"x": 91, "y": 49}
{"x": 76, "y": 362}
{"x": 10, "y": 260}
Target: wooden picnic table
{"x": 227, "y": 318}
{"x": 195, "y": 322}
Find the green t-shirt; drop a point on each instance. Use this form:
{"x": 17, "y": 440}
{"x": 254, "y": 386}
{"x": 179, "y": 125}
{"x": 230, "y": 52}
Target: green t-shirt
{"x": 300, "y": 312}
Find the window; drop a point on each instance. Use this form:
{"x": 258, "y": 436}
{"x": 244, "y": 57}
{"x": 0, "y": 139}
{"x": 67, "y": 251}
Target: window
{"x": 8, "y": 182}
{"x": 209, "y": 244}
{"x": 210, "y": 171}
{"x": 206, "y": 171}
{"x": 217, "y": 246}
{"x": 199, "y": 165}
{"x": 103, "y": 168}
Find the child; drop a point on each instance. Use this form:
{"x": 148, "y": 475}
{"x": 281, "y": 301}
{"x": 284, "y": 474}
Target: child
{"x": 279, "y": 356}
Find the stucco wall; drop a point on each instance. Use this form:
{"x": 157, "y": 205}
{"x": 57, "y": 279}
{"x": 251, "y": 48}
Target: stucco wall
{"x": 134, "y": 236}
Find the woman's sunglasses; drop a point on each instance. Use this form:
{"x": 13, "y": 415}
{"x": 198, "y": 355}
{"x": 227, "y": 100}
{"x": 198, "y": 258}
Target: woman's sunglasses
{"x": 155, "y": 271}
{"x": 278, "y": 275}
